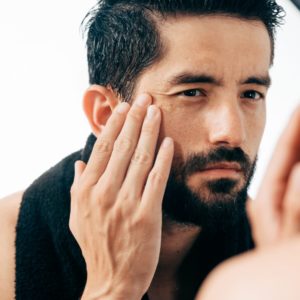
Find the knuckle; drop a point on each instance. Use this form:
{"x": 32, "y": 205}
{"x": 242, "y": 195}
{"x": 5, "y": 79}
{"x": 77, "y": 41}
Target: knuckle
{"x": 127, "y": 195}
{"x": 123, "y": 145}
{"x": 157, "y": 178}
{"x": 103, "y": 146}
{"x": 123, "y": 212}
{"x": 137, "y": 220}
{"x": 120, "y": 212}
{"x": 105, "y": 190}
{"x": 136, "y": 114}
{"x": 117, "y": 214}
{"x": 143, "y": 218}
{"x": 148, "y": 128}
{"x": 142, "y": 157}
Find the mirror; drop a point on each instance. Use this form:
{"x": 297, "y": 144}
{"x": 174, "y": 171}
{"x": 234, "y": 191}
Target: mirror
{"x": 297, "y": 3}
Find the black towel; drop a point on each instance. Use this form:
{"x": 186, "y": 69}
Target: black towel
{"x": 49, "y": 263}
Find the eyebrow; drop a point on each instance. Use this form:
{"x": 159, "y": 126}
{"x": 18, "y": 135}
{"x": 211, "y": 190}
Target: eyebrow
{"x": 259, "y": 80}
{"x": 189, "y": 78}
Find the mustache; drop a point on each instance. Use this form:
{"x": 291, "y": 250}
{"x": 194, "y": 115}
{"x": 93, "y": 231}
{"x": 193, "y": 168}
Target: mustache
{"x": 199, "y": 161}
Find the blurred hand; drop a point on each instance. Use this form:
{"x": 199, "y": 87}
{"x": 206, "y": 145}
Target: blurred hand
{"x": 275, "y": 213}
{"x": 116, "y": 203}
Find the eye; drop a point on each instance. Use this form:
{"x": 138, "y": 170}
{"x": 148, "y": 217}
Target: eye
{"x": 192, "y": 93}
{"x": 253, "y": 95}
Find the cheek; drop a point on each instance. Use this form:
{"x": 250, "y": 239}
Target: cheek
{"x": 255, "y": 125}
{"x": 187, "y": 128}
{"x": 183, "y": 127}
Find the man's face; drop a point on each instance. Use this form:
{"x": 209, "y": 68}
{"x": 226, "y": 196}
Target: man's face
{"x": 210, "y": 86}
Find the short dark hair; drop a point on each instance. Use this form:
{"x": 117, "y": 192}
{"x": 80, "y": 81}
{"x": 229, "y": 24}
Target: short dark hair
{"x": 123, "y": 37}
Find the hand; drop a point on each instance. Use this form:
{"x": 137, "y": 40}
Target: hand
{"x": 275, "y": 213}
{"x": 116, "y": 203}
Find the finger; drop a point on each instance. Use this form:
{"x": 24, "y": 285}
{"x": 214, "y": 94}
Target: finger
{"x": 286, "y": 154}
{"x": 269, "y": 200}
{"x": 79, "y": 167}
{"x": 126, "y": 142}
{"x": 291, "y": 204}
{"x": 104, "y": 144}
{"x": 263, "y": 234}
{"x": 158, "y": 178}
{"x": 143, "y": 157}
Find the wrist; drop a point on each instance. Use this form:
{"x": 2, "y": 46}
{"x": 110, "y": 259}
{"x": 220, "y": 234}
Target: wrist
{"x": 94, "y": 295}
{"x": 99, "y": 292}
{"x": 99, "y": 295}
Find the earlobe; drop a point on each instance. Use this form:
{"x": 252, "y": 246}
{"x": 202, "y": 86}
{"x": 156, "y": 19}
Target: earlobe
{"x": 98, "y": 104}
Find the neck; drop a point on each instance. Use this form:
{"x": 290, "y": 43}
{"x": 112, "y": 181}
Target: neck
{"x": 177, "y": 240}
{"x": 188, "y": 255}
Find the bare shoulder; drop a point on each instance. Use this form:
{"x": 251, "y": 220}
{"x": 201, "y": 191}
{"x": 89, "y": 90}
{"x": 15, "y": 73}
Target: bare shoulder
{"x": 9, "y": 206}
{"x": 9, "y": 210}
{"x": 270, "y": 273}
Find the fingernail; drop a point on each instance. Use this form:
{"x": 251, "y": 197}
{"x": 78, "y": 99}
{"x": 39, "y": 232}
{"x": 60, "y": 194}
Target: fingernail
{"x": 167, "y": 142}
{"x": 143, "y": 100}
{"x": 151, "y": 112}
{"x": 122, "y": 108}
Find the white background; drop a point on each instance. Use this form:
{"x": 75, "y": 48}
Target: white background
{"x": 43, "y": 75}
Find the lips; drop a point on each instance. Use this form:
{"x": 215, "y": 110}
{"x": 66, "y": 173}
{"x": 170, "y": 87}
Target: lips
{"x": 223, "y": 166}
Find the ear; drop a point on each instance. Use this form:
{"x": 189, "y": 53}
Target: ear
{"x": 98, "y": 104}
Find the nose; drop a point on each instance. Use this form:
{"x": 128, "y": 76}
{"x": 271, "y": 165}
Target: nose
{"x": 226, "y": 125}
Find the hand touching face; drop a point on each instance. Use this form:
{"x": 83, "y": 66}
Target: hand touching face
{"x": 116, "y": 203}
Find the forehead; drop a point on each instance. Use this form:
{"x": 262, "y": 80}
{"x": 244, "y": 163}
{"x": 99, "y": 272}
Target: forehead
{"x": 222, "y": 46}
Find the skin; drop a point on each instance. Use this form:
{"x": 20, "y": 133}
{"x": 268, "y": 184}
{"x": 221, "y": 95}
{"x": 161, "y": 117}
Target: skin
{"x": 198, "y": 117}
{"x": 218, "y": 116}
{"x": 273, "y": 267}
{"x": 9, "y": 209}
{"x": 266, "y": 274}
{"x": 224, "y": 115}
{"x": 275, "y": 213}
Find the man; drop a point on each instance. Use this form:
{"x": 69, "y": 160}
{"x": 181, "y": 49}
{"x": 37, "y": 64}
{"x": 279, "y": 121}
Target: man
{"x": 199, "y": 70}
{"x": 271, "y": 270}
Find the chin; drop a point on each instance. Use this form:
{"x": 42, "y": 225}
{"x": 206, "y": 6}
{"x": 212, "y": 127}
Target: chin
{"x": 226, "y": 188}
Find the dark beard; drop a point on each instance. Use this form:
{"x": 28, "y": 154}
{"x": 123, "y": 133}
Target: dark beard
{"x": 218, "y": 210}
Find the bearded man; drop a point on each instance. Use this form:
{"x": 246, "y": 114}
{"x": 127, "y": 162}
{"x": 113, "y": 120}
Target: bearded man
{"x": 157, "y": 196}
